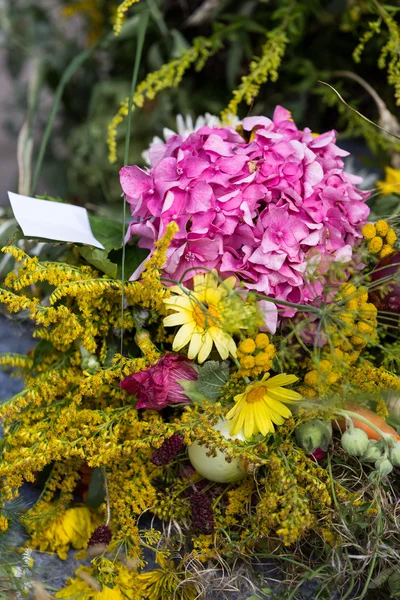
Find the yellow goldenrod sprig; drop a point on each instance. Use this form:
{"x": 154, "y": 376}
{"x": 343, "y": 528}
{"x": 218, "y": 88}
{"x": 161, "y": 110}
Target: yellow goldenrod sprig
{"x": 168, "y": 76}
{"x": 121, "y": 13}
{"x": 261, "y": 69}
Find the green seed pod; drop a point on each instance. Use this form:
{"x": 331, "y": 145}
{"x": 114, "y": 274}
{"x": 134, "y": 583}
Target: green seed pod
{"x": 355, "y": 442}
{"x": 314, "y": 434}
{"x": 383, "y": 466}
{"x": 373, "y": 452}
{"x": 395, "y": 455}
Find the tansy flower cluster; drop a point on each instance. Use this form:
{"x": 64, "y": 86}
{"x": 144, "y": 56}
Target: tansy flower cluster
{"x": 273, "y": 207}
{"x": 381, "y": 238}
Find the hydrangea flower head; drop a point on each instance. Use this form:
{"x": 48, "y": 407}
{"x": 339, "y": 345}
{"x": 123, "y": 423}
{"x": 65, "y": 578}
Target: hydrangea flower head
{"x": 269, "y": 206}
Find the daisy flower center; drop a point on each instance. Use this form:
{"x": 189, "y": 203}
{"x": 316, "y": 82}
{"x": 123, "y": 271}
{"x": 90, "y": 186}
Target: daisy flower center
{"x": 205, "y": 315}
{"x": 255, "y": 395}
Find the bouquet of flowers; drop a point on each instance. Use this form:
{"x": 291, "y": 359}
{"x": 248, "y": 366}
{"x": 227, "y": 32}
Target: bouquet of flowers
{"x": 237, "y": 400}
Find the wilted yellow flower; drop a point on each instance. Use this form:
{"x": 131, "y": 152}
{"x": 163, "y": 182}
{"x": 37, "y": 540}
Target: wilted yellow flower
{"x": 71, "y": 528}
{"x": 3, "y": 523}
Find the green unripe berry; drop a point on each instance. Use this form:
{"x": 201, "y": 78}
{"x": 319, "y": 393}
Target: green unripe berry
{"x": 395, "y": 455}
{"x": 383, "y": 466}
{"x": 355, "y": 441}
{"x": 314, "y": 434}
{"x": 373, "y": 452}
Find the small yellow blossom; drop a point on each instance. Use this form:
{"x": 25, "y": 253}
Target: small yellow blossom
{"x": 369, "y": 231}
{"x": 391, "y": 237}
{"x": 247, "y": 362}
{"x": 262, "y": 340}
{"x": 391, "y": 185}
{"x": 381, "y": 228}
{"x": 247, "y": 346}
{"x": 387, "y": 250}
{"x": 375, "y": 245}
{"x": 262, "y": 404}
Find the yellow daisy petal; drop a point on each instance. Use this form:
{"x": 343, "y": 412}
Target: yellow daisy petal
{"x": 219, "y": 341}
{"x": 206, "y": 347}
{"x": 183, "y": 336}
{"x": 282, "y": 379}
{"x": 249, "y": 424}
{"x": 284, "y": 395}
{"x": 178, "y": 318}
{"x": 277, "y": 406}
{"x": 263, "y": 421}
{"x": 195, "y": 345}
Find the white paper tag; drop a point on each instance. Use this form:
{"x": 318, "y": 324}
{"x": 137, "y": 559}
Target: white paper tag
{"x": 53, "y": 220}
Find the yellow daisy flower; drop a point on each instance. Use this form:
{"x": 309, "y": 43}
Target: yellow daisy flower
{"x": 391, "y": 185}
{"x": 201, "y": 314}
{"x": 262, "y": 404}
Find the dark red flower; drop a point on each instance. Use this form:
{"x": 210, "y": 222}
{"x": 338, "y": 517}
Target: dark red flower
{"x": 157, "y": 386}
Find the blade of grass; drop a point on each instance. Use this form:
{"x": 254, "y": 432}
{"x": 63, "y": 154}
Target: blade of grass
{"x": 144, "y": 20}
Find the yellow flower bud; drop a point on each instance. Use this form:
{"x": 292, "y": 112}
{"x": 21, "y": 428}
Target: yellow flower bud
{"x": 381, "y": 228}
{"x": 262, "y": 340}
{"x": 325, "y": 366}
{"x": 247, "y": 362}
{"x": 262, "y": 359}
{"x": 311, "y": 378}
{"x": 391, "y": 237}
{"x": 352, "y": 304}
{"x": 387, "y": 250}
{"x": 348, "y": 289}
{"x": 368, "y": 231}
{"x": 375, "y": 245}
{"x": 247, "y": 346}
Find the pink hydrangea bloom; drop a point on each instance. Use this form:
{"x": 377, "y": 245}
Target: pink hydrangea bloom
{"x": 272, "y": 211}
{"x": 157, "y": 387}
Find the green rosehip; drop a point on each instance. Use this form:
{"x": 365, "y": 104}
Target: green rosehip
{"x": 355, "y": 441}
{"x": 314, "y": 434}
{"x": 395, "y": 455}
{"x": 373, "y": 452}
{"x": 383, "y": 466}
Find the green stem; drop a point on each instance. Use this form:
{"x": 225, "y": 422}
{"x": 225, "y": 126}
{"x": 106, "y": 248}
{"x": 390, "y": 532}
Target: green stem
{"x": 143, "y": 23}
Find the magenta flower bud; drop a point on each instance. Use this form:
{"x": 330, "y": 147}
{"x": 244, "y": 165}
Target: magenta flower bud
{"x": 158, "y": 386}
{"x": 318, "y": 454}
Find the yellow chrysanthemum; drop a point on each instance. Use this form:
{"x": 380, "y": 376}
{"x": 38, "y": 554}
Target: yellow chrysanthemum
{"x": 391, "y": 185}
{"x": 262, "y": 404}
{"x": 201, "y": 314}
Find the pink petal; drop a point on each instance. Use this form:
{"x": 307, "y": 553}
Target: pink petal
{"x": 135, "y": 181}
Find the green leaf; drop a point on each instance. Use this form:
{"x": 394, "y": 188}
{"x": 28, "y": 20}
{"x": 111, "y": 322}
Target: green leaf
{"x": 212, "y": 376}
{"x": 99, "y": 259}
{"x": 108, "y": 233}
{"x": 190, "y": 389}
{"x": 96, "y": 493}
{"x": 42, "y": 349}
{"x": 133, "y": 257}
